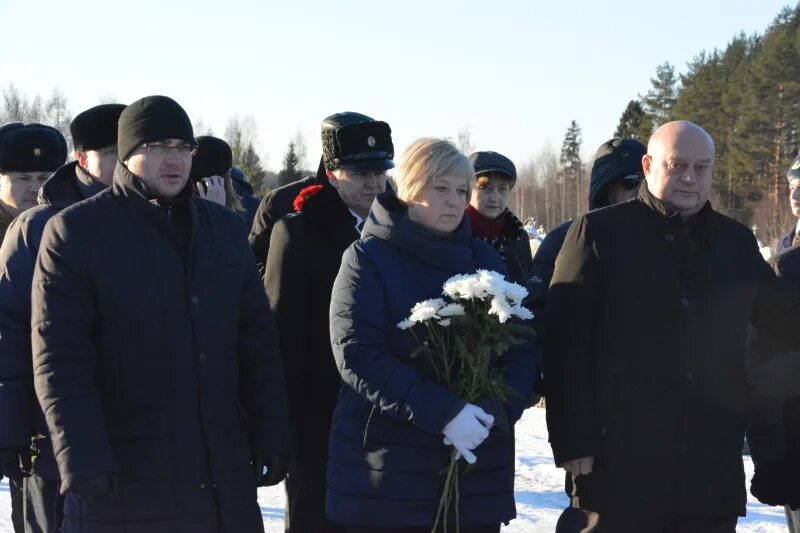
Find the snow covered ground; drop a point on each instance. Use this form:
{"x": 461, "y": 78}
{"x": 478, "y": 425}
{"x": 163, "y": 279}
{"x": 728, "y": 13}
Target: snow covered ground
{"x": 539, "y": 493}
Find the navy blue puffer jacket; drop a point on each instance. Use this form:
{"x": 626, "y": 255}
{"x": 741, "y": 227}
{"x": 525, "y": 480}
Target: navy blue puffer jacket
{"x": 386, "y": 449}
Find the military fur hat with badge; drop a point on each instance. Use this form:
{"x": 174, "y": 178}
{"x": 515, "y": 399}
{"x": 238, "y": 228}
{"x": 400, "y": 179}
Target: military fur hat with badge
{"x": 365, "y": 146}
{"x": 31, "y": 148}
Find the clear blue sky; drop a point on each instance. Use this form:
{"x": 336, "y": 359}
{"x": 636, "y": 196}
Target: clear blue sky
{"x": 516, "y": 72}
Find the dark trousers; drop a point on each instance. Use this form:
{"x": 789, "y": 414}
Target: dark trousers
{"x": 305, "y": 498}
{"x": 655, "y": 523}
{"x": 16, "y": 506}
{"x": 42, "y": 501}
{"x": 464, "y": 529}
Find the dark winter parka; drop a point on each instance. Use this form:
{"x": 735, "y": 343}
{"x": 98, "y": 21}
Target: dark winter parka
{"x": 306, "y": 250}
{"x": 774, "y": 425}
{"x": 645, "y": 355}
{"x": 275, "y": 205}
{"x": 21, "y": 419}
{"x": 5, "y": 222}
{"x": 158, "y": 365}
{"x": 386, "y": 450}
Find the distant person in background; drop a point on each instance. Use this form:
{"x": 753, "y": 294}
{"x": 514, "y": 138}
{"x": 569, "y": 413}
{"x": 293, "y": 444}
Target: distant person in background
{"x": 616, "y": 176}
{"x": 23, "y": 429}
{"x": 244, "y": 190}
{"x": 29, "y": 153}
{"x": 211, "y": 173}
{"x": 490, "y": 218}
{"x": 793, "y": 237}
{"x": 774, "y": 428}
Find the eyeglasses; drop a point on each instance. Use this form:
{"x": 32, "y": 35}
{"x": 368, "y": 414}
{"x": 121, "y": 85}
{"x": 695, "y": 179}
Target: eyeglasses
{"x": 631, "y": 181}
{"x": 161, "y": 149}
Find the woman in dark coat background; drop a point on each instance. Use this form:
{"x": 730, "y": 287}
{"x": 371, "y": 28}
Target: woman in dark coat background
{"x": 386, "y": 445}
{"x": 490, "y": 218}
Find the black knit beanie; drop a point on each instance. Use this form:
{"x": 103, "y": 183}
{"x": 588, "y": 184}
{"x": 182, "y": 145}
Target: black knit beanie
{"x": 213, "y": 158}
{"x": 153, "y": 118}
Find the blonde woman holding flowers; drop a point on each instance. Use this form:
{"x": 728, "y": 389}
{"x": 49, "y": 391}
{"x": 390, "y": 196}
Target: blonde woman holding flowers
{"x": 395, "y": 427}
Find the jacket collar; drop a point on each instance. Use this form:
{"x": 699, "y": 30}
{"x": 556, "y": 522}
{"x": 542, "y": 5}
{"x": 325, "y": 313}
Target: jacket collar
{"x": 657, "y": 206}
{"x": 388, "y": 220}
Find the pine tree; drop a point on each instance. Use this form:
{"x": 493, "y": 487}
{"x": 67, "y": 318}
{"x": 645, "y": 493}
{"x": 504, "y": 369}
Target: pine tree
{"x": 634, "y": 123}
{"x": 659, "y": 101}
{"x": 291, "y": 170}
{"x": 571, "y": 164}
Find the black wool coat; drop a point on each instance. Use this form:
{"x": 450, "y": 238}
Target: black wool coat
{"x": 644, "y": 357}
{"x": 305, "y": 253}
{"x": 156, "y": 361}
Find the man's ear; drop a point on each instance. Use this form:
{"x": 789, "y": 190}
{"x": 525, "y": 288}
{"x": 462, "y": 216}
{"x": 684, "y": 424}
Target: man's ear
{"x": 82, "y": 159}
{"x": 331, "y": 177}
{"x": 647, "y": 160}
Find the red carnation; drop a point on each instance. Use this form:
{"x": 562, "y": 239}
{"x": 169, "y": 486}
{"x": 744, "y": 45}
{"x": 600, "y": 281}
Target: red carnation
{"x": 304, "y": 195}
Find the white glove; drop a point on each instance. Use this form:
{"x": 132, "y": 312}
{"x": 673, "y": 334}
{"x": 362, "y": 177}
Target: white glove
{"x": 468, "y": 430}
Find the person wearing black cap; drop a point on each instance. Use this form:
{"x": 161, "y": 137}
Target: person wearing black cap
{"x": 29, "y": 153}
{"x": 305, "y": 253}
{"x": 490, "y": 218}
{"x": 154, "y": 350}
{"x": 280, "y": 202}
{"x": 211, "y": 172}
{"x": 22, "y": 424}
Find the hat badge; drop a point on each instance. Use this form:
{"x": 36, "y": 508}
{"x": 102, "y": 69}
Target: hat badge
{"x": 371, "y": 141}
{"x": 37, "y": 152}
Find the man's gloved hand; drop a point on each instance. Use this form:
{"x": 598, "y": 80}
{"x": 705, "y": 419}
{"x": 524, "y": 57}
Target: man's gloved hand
{"x": 15, "y": 463}
{"x": 772, "y": 483}
{"x": 495, "y": 408}
{"x": 468, "y": 430}
{"x": 97, "y": 487}
{"x": 270, "y": 471}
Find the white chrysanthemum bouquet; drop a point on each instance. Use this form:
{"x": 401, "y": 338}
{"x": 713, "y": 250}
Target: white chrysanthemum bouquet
{"x": 467, "y": 334}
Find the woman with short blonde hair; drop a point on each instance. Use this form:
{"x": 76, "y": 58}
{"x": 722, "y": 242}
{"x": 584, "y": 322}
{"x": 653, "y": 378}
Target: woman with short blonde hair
{"x": 427, "y": 159}
{"x": 387, "y": 442}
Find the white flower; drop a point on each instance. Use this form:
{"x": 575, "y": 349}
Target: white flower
{"x": 501, "y": 308}
{"x": 522, "y": 312}
{"x": 515, "y": 293}
{"x": 405, "y": 324}
{"x": 426, "y": 310}
{"x": 460, "y": 286}
{"x": 444, "y": 322}
{"x": 452, "y": 310}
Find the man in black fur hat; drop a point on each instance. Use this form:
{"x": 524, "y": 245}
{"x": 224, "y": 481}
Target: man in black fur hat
{"x": 29, "y": 153}
{"x": 305, "y": 252}
{"x": 22, "y": 425}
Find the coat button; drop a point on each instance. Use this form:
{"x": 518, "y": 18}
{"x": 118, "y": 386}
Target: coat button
{"x": 195, "y": 300}
{"x": 202, "y": 485}
{"x": 689, "y": 375}
{"x": 669, "y": 237}
{"x": 202, "y": 358}
{"x": 685, "y": 302}
{"x": 683, "y": 448}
